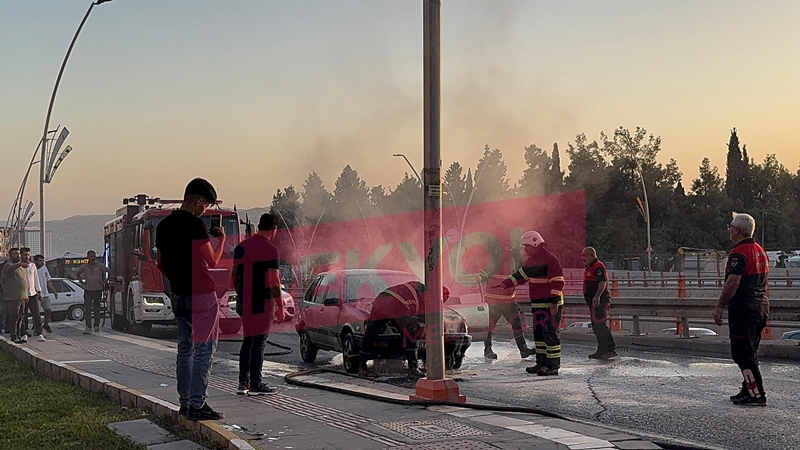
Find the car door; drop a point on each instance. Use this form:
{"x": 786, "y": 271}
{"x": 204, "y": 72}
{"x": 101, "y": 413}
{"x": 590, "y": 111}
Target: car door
{"x": 66, "y": 296}
{"x": 329, "y": 312}
{"x": 314, "y": 309}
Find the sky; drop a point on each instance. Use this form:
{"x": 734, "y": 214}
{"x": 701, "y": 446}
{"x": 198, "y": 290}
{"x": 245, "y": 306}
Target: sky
{"x": 255, "y": 94}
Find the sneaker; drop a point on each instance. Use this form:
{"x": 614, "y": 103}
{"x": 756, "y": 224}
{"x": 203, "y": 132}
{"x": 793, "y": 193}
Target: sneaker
{"x": 47, "y": 328}
{"x": 23, "y": 339}
{"x": 547, "y": 372}
{"x": 96, "y": 329}
{"x": 41, "y": 338}
{"x": 742, "y": 394}
{"x": 489, "y": 354}
{"x": 534, "y": 369}
{"x": 242, "y": 389}
{"x": 609, "y": 355}
{"x": 183, "y": 411}
{"x": 87, "y": 330}
{"x": 596, "y": 355}
{"x": 751, "y": 401}
{"x": 204, "y": 413}
{"x": 17, "y": 340}
{"x": 262, "y": 389}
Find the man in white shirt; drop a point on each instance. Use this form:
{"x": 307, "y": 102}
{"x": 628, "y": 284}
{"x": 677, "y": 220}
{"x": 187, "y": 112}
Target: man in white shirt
{"x": 34, "y": 293}
{"x": 47, "y": 289}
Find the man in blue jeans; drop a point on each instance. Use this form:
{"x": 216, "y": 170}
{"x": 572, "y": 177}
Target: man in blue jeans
{"x": 185, "y": 254}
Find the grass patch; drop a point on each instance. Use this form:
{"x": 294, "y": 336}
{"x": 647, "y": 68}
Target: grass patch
{"x": 39, "y": 413}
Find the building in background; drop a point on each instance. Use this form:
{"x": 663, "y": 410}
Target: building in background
{"x": 31, "y": 239}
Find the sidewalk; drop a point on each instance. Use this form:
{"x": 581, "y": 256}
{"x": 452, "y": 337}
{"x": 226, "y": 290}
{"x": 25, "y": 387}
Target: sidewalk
{"x": 304, "y": 418}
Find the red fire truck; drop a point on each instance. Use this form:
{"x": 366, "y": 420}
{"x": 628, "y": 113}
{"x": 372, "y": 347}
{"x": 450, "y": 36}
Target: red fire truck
{"x": 137, "y": 292}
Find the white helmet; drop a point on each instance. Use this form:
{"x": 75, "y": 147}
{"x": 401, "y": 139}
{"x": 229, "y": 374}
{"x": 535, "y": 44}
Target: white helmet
{"x": 532, "y": 238}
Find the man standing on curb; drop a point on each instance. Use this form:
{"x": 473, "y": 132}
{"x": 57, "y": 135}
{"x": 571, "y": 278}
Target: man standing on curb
{"x": 257, "y": 281}
{"x": 34, "y": 294}
{"x": 184, "y": 256}
{"x": 745, "y": 295}
{"x": 15, "y": 292}
{"x": 90, "y": 276}
{"x": 597, "y": 298}
{"x": 47, "y": 288}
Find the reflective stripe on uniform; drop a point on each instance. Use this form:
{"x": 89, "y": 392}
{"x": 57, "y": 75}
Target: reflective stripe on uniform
{"x": 553, "y": 351}
{"x": 540, "y": 347}
{"x": 555, "y": 292}
{"x": 523, "y": 274}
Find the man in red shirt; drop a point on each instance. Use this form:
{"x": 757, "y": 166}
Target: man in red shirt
{"x": 595, "y": 293}
{"x": 745, "y": 295}
{"x": 257, "y": 281}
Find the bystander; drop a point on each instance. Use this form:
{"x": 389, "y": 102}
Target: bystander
{"x": 91, "y": 278}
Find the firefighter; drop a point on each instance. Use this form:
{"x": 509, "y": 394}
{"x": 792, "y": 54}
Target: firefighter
{"x": 502, "y": 303}
{"x": 545, "y": 278}
{"x": 404, "y": 306}
{"x": 745, "y": 296}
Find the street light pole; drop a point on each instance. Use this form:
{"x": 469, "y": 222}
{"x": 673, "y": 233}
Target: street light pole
{"x": 647, "y": 216}
{"x": 43, "y": 142}
{"x": 434, "y": 385}
{"x": 411, "y": 166}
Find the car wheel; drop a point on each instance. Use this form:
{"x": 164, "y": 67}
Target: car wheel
{"x": 351, "y": 357}
{"x": 308, "y": 351}
{"x": 454, "y": 362}
{"x": 76, "y": 312}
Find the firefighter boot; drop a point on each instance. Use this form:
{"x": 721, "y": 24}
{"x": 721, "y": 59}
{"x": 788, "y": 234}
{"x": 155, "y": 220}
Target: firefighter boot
{"x": 487, "y": 351}
{"x": 743, "y": 392}
{"x": 363, "y": 371}
{"x": 539, "y": 364}
{"x": 413, "y": 369}
{"x": 524, "y": 351}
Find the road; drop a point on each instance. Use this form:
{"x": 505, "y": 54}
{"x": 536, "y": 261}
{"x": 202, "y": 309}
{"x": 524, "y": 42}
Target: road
{"x": 664, "y": 394}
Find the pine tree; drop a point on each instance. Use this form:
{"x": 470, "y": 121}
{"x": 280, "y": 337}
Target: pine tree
{"x": 734, "y": 173}
{"x": 316, "y": 199}
{"x": 556, "y": 174}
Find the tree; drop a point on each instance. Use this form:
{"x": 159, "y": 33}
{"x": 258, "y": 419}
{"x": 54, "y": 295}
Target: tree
{"x": 350, "y": 195}
{"x": 491, "y": 182}
{"x": 738, "y": 181}
{"x": 709, "y": 184}
{"x": 536, "y": 176}
{"x": 454, "y": 184}
{"x": 406, "y": 197}
{"x": 286, "y": 205}
{"x": 316, "y": 199}
{"x": 556, "y": 177}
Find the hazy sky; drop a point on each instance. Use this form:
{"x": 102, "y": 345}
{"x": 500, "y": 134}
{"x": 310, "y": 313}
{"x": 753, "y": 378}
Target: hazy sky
{"x": 255, "y": 94}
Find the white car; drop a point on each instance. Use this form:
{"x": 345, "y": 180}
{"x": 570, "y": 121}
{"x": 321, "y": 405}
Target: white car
{"x": 69, "y": 304}
{"x": 692, "y": 331}
{"x": 580, "y": 325}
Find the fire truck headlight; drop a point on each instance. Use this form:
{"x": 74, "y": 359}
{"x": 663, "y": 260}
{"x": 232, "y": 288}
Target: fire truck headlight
{"x": 153, "y": 300}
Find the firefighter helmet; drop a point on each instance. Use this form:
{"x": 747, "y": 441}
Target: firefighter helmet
{"x": 531, "y": 238}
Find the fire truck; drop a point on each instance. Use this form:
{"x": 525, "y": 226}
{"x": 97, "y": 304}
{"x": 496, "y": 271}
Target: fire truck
{"x": 137, "y": 292}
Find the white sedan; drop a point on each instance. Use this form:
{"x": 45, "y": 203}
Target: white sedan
{"x": 69, "y": 304}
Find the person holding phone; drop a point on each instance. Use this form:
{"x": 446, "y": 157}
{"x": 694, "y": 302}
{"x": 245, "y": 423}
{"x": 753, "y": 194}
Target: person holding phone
{"x": 185, "y": 253}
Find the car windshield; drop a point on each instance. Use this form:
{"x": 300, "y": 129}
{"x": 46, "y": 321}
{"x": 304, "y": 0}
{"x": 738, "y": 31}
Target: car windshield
{"x": 368, "y": 286}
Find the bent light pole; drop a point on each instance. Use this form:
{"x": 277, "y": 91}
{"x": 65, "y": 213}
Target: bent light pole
{"x": 42, "y": 162}
{"x": 647, "y": 216}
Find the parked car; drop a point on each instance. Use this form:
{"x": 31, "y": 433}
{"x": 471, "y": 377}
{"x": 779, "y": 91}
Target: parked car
{"x": 231, "y": 323}
{"x": 794, "y": 335}
{"x": 692, "y": 331}
{"x": 69, "y": 304}
{"x": 580, "y": 325}
{"x": 473, "y": 309}
{"x": 332, "y": 313}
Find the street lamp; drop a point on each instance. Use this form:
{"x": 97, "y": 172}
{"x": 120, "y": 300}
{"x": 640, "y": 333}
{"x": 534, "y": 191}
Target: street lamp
{"x": 646, "y": 215}
{"x": 42, "y": 168}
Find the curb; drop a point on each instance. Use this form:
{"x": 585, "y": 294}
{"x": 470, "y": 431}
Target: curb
{"x": 720, "y": 347}
{"x": 123, "y": 395}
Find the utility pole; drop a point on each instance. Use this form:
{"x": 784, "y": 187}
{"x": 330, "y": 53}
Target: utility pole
{"x": 434, "y": 386}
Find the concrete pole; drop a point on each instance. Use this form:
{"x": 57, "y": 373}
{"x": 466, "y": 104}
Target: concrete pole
{"x": 432, "y": 188}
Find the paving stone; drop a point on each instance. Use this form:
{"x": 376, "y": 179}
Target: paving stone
{"x": 636, "y": 445}
{"x": 142, "y": 431}
{"x": 177, "y": 445}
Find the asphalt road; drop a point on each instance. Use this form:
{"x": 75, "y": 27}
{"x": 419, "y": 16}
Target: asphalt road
{"x": 662, "y": 394}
